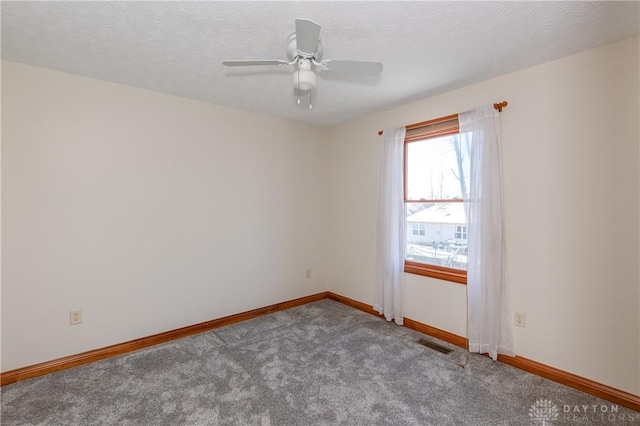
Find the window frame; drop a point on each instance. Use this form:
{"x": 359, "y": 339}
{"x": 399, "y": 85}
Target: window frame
{"x": 419, "y": 132}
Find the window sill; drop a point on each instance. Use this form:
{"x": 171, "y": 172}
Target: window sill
{"x": 448, "y": 274}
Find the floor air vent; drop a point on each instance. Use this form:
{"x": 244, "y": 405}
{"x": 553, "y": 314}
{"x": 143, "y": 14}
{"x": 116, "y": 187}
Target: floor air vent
{"x": 434, "y": 346}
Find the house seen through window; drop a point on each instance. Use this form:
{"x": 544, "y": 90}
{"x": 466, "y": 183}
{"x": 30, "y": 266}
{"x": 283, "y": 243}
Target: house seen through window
{"x": 436, "y": 185}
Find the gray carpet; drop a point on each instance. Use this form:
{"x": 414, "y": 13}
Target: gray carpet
{"x": 318, "y": 364}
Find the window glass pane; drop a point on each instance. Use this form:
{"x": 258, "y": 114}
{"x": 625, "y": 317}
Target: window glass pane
{"x": 437, "y": 234}
{"x": 438, "y": 169}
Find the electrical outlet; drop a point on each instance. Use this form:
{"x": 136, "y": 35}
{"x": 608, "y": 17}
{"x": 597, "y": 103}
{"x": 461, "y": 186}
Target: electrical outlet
{"x": 519, "y": 319}
{"x": 75, "y": 317}
{"x": 308, "y": 273}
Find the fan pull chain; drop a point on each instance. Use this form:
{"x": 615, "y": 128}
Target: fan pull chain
{"x": 298, "y": 84}
{"x": 310, "y": 104}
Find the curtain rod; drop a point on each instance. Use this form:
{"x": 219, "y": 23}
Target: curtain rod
{"x": 497, "y": 106}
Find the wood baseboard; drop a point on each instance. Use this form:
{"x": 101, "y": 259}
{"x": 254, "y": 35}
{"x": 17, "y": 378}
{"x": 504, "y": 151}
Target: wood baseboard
{"x": 144, "y": 342}
{"x": 608, "y": 393}
{"x": 353, "y": 303}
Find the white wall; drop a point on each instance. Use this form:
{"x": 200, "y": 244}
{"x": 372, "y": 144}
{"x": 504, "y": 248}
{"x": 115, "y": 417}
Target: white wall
{"x": 149, "y": 212}
{"x": 571, "y": 175}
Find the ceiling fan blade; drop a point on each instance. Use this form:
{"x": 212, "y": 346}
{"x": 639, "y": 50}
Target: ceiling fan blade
{"x": 354, "y": 67}
{"x": 250, "y": 62}
{"x": 307, "y": 33}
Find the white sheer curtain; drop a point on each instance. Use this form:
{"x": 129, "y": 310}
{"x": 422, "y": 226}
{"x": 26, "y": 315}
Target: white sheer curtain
{"x": 489, "y": 325}
{"x": 391, "y": 235}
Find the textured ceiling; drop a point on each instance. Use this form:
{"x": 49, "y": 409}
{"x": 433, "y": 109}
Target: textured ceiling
{"x": 426, "y": 47}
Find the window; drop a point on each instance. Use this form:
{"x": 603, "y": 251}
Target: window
{"x": 436, "y": 171}
{"x": 418, "y": 228}
{"x": 461, "y": 232}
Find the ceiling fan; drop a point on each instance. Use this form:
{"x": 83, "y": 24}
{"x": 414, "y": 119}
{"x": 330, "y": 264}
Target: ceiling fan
{"x": 304, "y": 50}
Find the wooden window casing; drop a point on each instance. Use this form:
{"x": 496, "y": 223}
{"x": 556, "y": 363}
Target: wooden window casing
{"x": 416, "y": 132}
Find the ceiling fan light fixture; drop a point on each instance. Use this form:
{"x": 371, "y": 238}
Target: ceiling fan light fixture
{"x": 304, "y": 79}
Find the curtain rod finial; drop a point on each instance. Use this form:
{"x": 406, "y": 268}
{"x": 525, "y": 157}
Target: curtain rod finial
{"x": 500, "y": 105}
